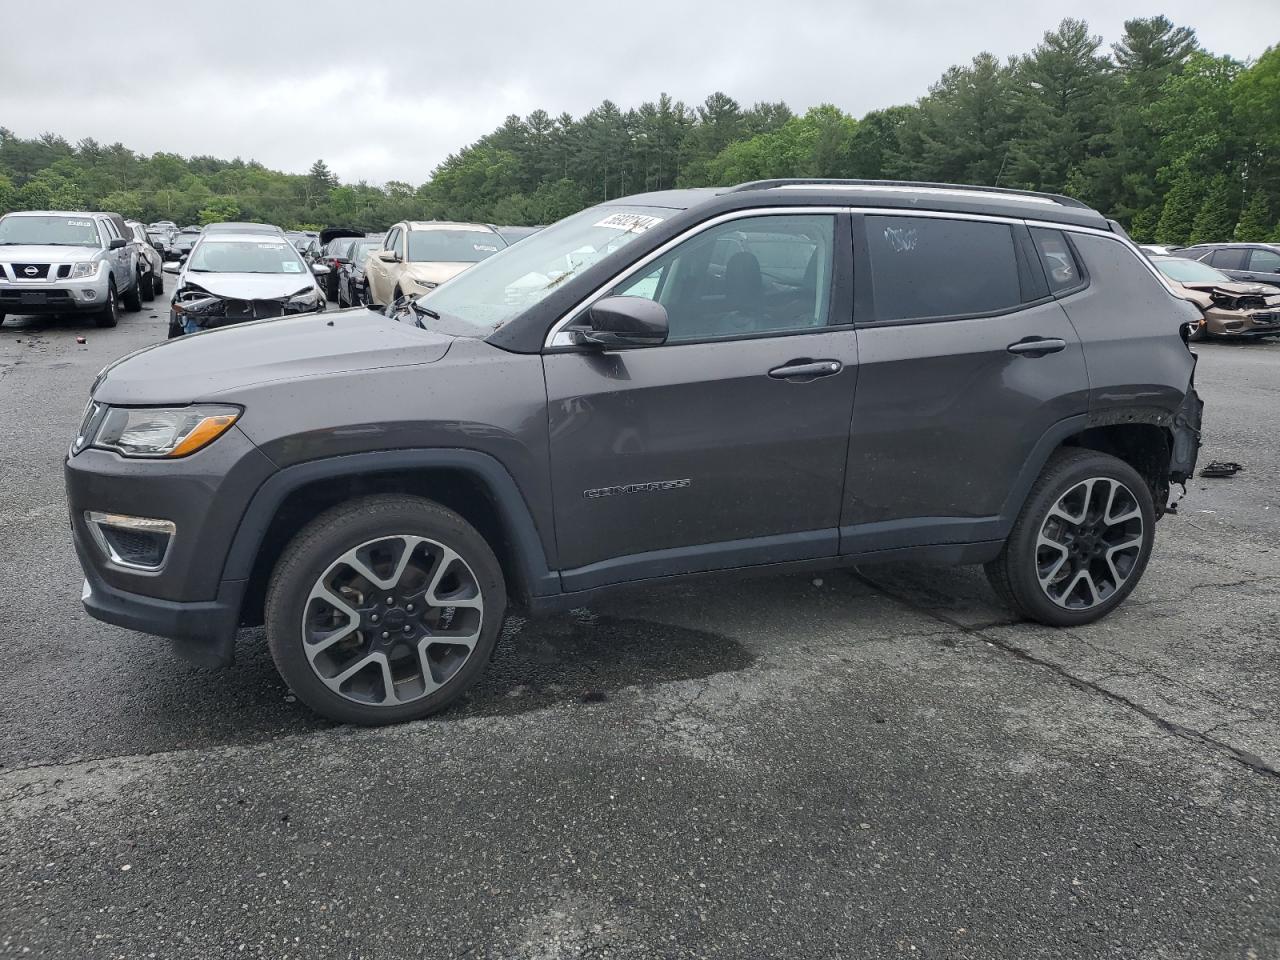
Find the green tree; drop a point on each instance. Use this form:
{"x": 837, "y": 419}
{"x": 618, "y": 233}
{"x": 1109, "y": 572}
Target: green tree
{"x": 1218, "y": 211}
{"x": 1255, "y": 222}
{"x": 1181, "y": 205}
{"x": 127, "y": 203}
{"x": 218, "y": 210}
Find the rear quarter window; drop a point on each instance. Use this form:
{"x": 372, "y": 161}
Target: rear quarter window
{"x": 1061, "y": 268}
{"x": 932, "y": 268}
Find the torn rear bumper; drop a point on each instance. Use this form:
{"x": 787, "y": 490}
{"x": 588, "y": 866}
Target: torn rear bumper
{"x": 1186, "y": 436}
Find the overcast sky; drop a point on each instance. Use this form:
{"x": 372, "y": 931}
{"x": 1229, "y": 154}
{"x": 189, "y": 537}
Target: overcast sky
{"x": 385, "y": 90}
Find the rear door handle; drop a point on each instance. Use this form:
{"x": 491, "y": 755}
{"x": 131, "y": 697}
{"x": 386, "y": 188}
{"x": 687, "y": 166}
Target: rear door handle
{"x": 1037, "y": 346}
{"x": 806, "y": 369}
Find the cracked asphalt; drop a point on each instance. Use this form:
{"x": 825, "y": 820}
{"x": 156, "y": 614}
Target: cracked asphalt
{"x": 873, "y": 763}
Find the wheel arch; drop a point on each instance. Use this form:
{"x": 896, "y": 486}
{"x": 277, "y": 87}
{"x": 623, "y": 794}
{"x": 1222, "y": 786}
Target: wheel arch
{"x": 1143, "y": 438}
{"x": 472, "y": 484}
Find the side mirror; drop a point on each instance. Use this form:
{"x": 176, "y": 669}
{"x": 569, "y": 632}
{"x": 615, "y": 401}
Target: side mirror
{"x": 388, "y": 256}
{"x": 319, "y": 269}
{"x": 116, "y": 243}
{"x": 624, "y": 322}
{"x": 172, "y": 266}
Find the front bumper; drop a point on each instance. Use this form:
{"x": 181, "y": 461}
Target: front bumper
{"x": 205, "y": 496}
{"x": 203, "y": 632}
{"x": 54, "y": 296}
{"x": 1240, "y": 325}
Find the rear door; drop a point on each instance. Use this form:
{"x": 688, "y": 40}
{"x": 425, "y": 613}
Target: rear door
{"x": 1263, "y": 265}
{"x": 965, "y": 362}
{"x": 705, "y": 452}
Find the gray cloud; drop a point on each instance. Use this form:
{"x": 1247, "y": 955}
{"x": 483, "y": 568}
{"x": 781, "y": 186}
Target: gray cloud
{"x": 385, "y": 90}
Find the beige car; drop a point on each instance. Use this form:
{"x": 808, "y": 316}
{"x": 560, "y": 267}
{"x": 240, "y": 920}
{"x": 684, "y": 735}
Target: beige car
{"x": 417, "y": 256}
{"x": 1231, "y": 308}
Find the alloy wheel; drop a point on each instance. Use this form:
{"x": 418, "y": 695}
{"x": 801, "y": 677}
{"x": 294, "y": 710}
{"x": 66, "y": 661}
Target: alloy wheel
{"x": 392, "y": 620}
{"x": 1089, "y": 544}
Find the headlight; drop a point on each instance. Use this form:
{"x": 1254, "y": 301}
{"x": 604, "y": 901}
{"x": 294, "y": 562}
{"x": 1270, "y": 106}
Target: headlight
{"x": 163, "y": 431}
{"x": 428, "y": 284}
{"x": 305, "y": 300}
{"x": 197, "y": 305}
{"x": 81, "y": 270}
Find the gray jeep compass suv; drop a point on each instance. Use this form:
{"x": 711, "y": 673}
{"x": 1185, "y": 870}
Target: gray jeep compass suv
{"x": 784, "y": 375}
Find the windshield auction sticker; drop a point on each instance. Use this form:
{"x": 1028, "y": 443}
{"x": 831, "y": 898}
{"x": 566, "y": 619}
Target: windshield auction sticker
{"x": 629, "y": 222}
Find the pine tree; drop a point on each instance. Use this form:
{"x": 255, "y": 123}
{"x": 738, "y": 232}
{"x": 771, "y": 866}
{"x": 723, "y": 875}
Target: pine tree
{"x": 1217, "y": 213}
{"x": 1181, "y": 205}
{"x": 1255, "y": 222}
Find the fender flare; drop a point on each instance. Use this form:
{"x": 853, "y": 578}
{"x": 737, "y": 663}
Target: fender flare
{"x": 535, "y": 576}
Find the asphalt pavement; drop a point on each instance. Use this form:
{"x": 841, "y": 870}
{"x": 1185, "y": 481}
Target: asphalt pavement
{"x": 875, "y": 763}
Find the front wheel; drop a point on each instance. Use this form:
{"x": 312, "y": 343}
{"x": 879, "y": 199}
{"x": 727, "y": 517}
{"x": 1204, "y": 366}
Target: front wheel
{"x": 1081, "y": 543}
{"x": 146, "y": 283}
{"x": 384, "y": 609}
{"x": 109, "y": 315}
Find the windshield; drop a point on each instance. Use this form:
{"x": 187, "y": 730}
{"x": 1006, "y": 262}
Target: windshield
{"x": 1190, "y": 271}
{"x": 262, "y": 256}
{"x": 489, "y": 295}
{"x": 55, "y": 231}
{"x": 452, "y": 246}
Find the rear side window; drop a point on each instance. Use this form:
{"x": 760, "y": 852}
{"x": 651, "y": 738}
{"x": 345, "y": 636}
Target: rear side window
{"x": 1264, "y": 261}
{"x": 924, "y": 268}
{"x": 1061, "y": 267}
{"x": 1227, "y": 259}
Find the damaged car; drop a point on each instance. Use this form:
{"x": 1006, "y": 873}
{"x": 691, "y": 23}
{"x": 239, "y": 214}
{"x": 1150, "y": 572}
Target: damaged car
{"x": 782, "y": 376}
{"x": 1232, "y": 308}
{"x": 233, "y": 278}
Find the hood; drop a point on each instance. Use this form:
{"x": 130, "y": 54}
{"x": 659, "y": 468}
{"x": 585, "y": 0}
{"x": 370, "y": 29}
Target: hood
{"x": 51, "y": 253}
{"x": 1237, "y": 287}
{"x": 434, "y": 272}
{"x": 203, "y": 366}
{"x": 249, "y": 286}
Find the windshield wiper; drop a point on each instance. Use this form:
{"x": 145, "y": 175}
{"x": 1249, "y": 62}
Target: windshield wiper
{"x": 420, "y": 312}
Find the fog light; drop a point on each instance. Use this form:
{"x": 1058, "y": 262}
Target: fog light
{"x": 138, "y": 542}
{"x": 89, "y": 294}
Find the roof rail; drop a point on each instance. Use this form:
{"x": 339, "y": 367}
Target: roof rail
{"x": 909, "y": 184}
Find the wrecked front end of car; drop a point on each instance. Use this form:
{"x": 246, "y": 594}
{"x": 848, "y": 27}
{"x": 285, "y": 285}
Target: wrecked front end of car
{"x": 1245, "y": 311}
{"x": 196, "y": 309}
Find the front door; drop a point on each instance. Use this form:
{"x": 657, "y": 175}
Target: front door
{"x": 712, "y": 450}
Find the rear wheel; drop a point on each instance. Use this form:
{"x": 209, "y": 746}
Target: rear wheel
{"x": 147, "y": 284}
{"x": 384, "y": 609}
{"x": 1081, "y": 543}
{"x": 157, "y": 283}
{"x": 109, "y": 315}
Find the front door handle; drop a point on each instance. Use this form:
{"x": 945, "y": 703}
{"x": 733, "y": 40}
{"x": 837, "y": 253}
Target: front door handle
{"x": 806, "y": 369}
{"x": 1038, "y": 346}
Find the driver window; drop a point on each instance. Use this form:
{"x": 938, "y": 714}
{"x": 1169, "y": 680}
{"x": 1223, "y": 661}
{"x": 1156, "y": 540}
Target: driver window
{"x": 751, "y": 276}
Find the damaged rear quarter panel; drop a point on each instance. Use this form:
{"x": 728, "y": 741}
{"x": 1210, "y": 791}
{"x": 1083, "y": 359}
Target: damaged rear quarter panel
{"x": 1128, "y": 321}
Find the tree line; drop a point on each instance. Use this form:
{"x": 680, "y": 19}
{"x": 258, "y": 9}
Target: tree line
{"x": 1178, "y": 144}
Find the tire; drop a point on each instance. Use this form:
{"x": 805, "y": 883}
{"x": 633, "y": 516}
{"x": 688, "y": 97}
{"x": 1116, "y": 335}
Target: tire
{"x": 1088, "y": 567}
{"x": 1200, "y": 334}
{"x": 1, "y": 318}
{"x": 375, "y": 531}
{"x": 109, "y": 315}
{"x": 133, "y": 298}
{"x": 147, "y": 284}
{"x": 157, "y": 283}
{"x": 342, "y": 301}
